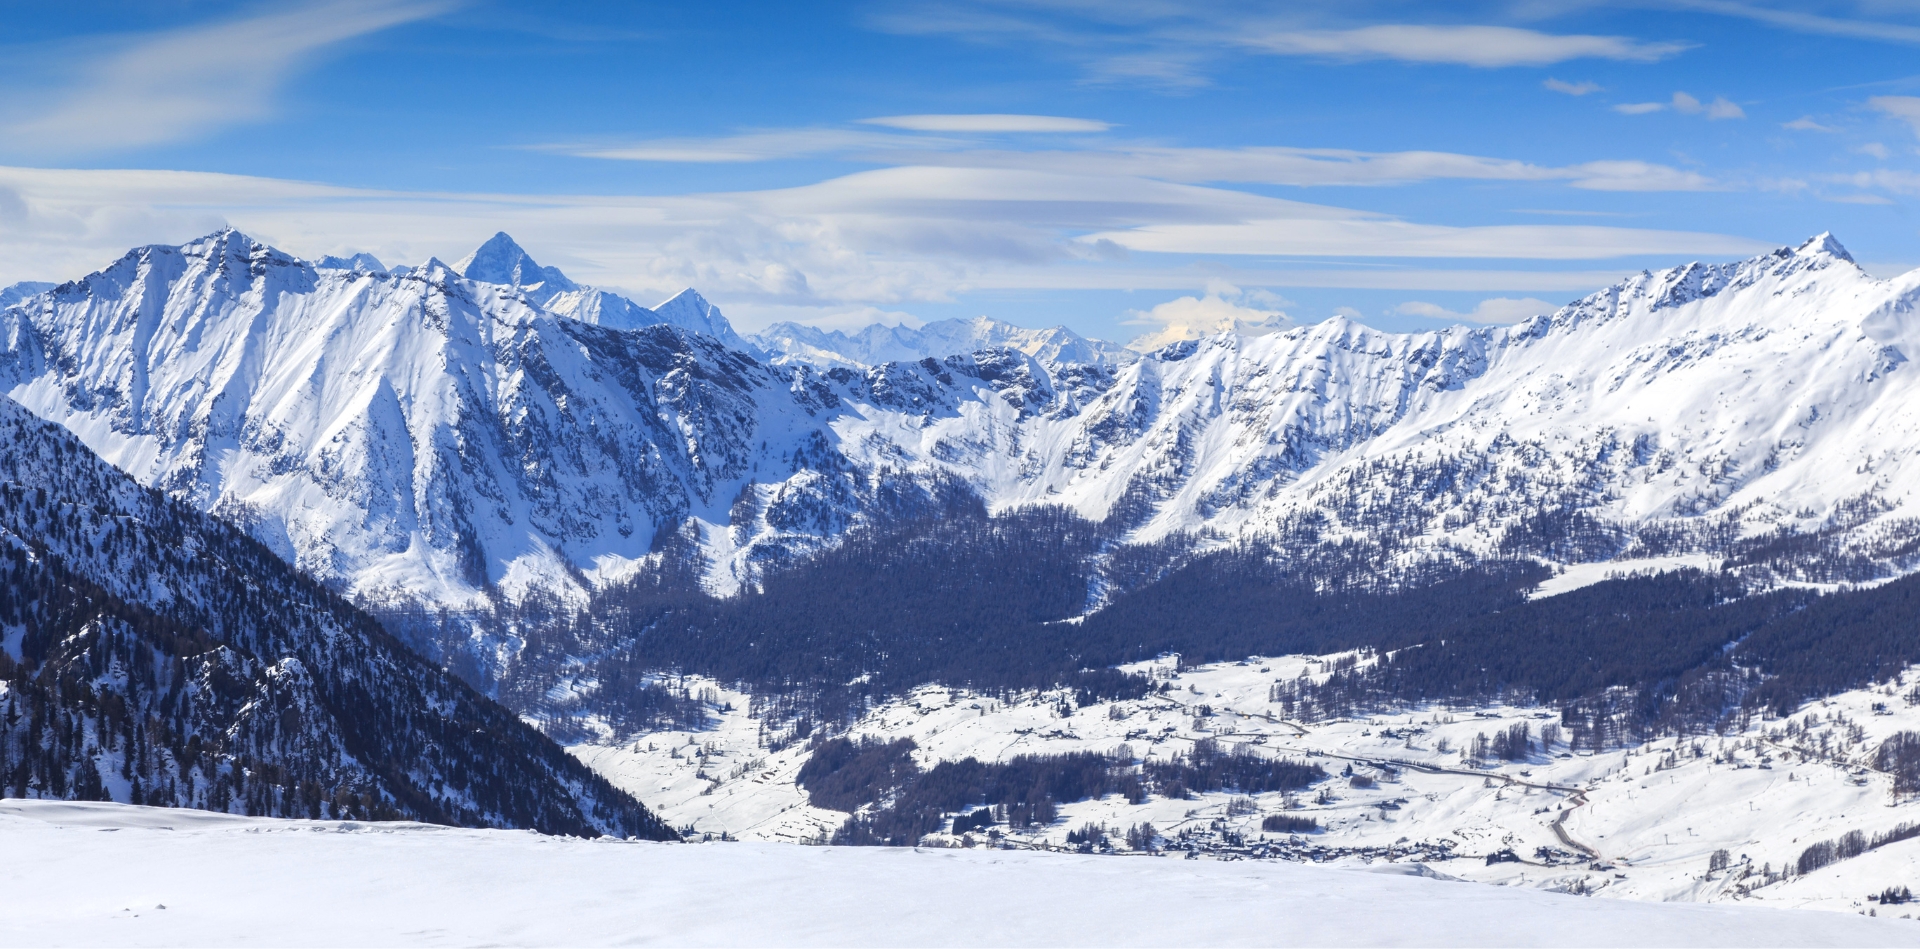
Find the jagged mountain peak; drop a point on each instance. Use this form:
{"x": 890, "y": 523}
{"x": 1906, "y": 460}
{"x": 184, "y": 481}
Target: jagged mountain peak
{"x": 687, "y": 304}
{"x": 357, "y": 262}
{"x": 234, "y": 250}
{"x": 691, "y": 311}
{"x": 1824, "y": 243}
{"x": 502, "y": 260}
{"x": 228, "y": 240}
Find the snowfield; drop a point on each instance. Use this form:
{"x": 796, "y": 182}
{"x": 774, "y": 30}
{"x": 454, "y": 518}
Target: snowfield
{"x": 108, "y": 874}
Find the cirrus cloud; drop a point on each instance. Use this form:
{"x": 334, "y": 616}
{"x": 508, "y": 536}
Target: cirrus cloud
{"x": 878, "y": 238}
{"x": 1304, "y": 167}
{"x": 768, "y": 145}
{"x": 181, "y": 84}
{"x": 1572, "y": 88}
{"x": 1495, "y": 310}
{"x": 1686, "y": 104}
{"x": 1904, "y": 108}
{"x": 993, "y": 122}
{"x": 1481, "y": 46}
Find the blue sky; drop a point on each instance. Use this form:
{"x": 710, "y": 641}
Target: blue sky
{"x": 1121, "y": 167}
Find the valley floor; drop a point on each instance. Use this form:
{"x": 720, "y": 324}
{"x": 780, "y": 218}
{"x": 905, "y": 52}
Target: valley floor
{"x": 1640, "y": 823}
{"x": 108, "y": 874}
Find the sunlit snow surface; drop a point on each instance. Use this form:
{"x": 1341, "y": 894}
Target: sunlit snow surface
{"x": 108, "y": 874}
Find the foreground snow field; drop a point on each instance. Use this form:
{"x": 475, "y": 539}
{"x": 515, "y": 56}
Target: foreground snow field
{"x": 107, "y": 874}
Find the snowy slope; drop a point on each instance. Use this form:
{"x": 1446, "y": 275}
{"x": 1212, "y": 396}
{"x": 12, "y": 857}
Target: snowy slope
{"x": 166, "y": 878}
{"x": 877, "y": 344}
{"x": 443, "y": 437}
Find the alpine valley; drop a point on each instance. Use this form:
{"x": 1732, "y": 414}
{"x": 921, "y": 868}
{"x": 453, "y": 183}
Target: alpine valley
{"x": 969, "y": 582}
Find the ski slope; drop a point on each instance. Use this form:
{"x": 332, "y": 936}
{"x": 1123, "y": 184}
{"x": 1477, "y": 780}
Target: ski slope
{"x": 106, "y": 874}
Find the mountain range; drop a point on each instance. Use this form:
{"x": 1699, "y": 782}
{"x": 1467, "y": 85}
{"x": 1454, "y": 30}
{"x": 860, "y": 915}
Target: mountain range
{"x": 452, "y": 437}
{"x": 878, "y": 344}
{"x": 569, "y": 501}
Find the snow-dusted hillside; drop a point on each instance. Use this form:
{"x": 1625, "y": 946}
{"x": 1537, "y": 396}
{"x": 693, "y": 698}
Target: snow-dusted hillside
{"x": 878, "y": 344}
{"x": 168, "y": 878}
{"x": 440, "y": 436}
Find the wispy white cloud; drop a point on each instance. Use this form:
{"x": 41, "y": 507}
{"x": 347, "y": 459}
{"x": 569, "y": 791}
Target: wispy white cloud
{"x": 1884, "y": 179}
{"x": 1172, "y": 70}
{"x": 1719, "y": 108}
{"x": 1174, "y": 46}
{"x": 1495, "y": 310}
{"x": 766, "y": 145}
{"x": 1635, "y": 176}
{"x": 1805, "y": 123}
{"x": 1686, "y": 104}
{"x": 1581, "y": 88}
{"x": 775, "y": 144}
{"x": 1876, "y": 149}
{"x": 179, "y": 85}
{"x": 1483, "y": 46}
{"x": 1255, "y": 164}
{"x": 1569, "y": 212}
{"x": 1803, "y": 22}
{"x": 1325, "y": 166}
{"x": 1363, "y": 237}
{"x": 881, "y": 238}
{"x": 1905, "y": 108}
{"x": 989, "y": 123}
{"x": 1877, "y": 200}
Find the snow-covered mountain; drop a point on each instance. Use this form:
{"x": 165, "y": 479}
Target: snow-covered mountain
{"x": 424, "y": 434}
{"x": 437, "y": 435}
{"x": 504, "y": 262}
{"x": 877, "y": 344}
{"x": 151, "y": 654}
{"x": 22, "y": 290}
{"x": 361, "y": 261}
